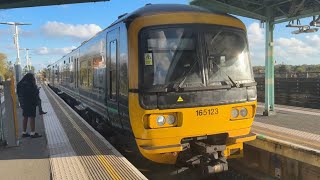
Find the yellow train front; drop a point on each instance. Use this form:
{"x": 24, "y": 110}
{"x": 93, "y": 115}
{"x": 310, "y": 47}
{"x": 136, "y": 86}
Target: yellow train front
{"x": 178, "y": 77}
{"x": 192, "y": 94}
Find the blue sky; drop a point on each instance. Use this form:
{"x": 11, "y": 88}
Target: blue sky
{"x": 56, "y": 30}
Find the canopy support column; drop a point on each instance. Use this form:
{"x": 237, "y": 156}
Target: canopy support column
{"x": 269, "y": 70}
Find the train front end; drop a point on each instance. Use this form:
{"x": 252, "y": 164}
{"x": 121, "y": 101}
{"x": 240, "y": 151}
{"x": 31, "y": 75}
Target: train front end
{"x": 192, "y": 94}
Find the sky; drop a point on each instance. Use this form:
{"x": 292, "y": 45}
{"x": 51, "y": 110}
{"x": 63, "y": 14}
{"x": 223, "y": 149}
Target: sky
{"x": 56, "y": 30}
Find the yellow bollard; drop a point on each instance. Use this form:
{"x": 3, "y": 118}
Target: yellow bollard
{"x": 14, "y": 107}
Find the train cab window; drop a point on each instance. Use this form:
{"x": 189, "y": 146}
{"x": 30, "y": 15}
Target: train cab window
{"x": 113, "y": 70}
{"x": 230, "y": 58}
{"x": 168, "y": 55}
{"x": 193, "y": 56}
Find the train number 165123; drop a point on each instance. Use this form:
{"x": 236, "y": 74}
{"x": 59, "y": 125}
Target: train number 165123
{"x": 207, "y": 112}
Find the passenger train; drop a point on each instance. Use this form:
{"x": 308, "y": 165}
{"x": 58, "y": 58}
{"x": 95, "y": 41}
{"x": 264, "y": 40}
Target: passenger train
{"x": 178, "y": 78}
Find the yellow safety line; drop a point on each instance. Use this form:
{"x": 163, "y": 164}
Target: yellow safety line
{"x": 294, "y": 140}
{"x": 98, "y": 154}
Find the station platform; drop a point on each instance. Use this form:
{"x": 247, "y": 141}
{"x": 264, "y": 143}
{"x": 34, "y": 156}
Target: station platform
{"x": 69, "y": 149}
{"x": 296, "y": 125}
{"x": 287, "y": 146}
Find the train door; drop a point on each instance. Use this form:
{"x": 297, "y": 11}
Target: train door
{"x": 113, "y": 77}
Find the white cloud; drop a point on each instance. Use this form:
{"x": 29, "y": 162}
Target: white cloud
{"x": 255, "y": 34}
{"x": 297, "y": 51}
{"x": 295, "y": 46}
{"x": 78, "y": 31}
{"x": 256, "y": 40}
{"x": 291, "y": 50}
{"x": 314, "y": 40}
{"x": 53, "y": 51}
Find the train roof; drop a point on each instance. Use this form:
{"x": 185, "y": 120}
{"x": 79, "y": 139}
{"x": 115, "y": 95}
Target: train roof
{"x": 150, "y": 9}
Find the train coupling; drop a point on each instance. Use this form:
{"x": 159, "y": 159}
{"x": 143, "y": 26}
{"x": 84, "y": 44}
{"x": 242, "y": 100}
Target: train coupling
{"x": 210, "y": 158}
{"x": 213, "y": 159}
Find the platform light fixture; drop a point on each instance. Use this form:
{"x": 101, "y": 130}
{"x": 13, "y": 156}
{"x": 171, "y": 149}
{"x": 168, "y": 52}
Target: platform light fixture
{"x": 315, "y": 22}
{"x": 16, "y": 43}
{"x": 28, "y": 62}
{"x": 302, "y": 28}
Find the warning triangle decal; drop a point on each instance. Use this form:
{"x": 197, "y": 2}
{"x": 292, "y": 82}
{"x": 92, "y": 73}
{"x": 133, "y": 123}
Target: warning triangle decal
{"x": 180, "y": 99}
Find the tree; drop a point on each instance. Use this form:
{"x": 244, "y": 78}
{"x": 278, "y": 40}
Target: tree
{"x": 3, "y": 64}
{"x": 6, "y": 67}
{"x": 9, "y": 70}
{"x": 300, "y": 69}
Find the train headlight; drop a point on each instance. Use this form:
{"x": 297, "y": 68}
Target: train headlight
{"x": 243, "y": 112}
{"x": 171, "y": 119}
{"x": 165, "y": 120}
{"x": 161, "y": 120}
{"x": 234, "y": 113}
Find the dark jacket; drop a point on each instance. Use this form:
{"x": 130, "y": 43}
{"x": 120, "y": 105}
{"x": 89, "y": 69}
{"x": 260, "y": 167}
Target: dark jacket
{"x": 27, "y": 94}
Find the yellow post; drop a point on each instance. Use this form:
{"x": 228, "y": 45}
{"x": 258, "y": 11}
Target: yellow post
{"x": 14, "y": 107}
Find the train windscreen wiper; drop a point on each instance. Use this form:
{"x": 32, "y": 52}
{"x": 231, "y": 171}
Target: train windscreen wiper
{"x": 184, "y": 78}
{"x": 248, "y": 84}
{"x": 231, "y": 80}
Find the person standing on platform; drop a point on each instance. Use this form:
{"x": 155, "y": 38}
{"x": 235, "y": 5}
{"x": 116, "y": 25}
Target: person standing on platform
{"x": 28, "y": 94}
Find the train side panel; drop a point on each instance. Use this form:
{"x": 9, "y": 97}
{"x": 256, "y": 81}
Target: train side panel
{"x": 96, "y": 75}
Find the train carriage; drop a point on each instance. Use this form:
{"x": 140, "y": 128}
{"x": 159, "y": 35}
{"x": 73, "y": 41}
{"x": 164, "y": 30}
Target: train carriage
{"x": 178, "y": 77}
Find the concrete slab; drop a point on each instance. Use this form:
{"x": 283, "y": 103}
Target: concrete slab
{"x": 297, "y": 118}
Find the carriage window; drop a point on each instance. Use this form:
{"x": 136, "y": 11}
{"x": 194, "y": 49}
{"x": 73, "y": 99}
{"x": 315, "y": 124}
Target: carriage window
{"x": 113, "y": 70}
{"x": 99, "y": 72}
{"x": 84, "y": 73}
{"x": 71, "y": 72}
{"x": 90, "y": 74}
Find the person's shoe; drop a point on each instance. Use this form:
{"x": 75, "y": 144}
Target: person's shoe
{"x": 25, "y": 135}
{"x": 36, "y": 135}
{"x": 42, "y": 112}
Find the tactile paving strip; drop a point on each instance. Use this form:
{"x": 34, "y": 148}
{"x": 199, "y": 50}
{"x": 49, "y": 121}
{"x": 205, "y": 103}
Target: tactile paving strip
{"x": 63, "y": 160}
{"x": 98, "y": 157}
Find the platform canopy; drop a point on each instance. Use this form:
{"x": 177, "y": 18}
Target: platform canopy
{"x": 8, "y": 4}
{"x": 277, "y": 11}
{"x": 270, "y": 12}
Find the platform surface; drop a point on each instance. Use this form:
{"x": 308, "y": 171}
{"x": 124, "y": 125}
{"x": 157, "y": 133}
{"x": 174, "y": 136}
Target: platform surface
{"x": 297, "y": 125}
{"x": 29, "y": 160}
{"x": 69, "y": 149}
{"x": 76, "y": 150}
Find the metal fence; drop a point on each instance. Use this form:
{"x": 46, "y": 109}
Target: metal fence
{"x": 293, "y": 91}
{"x": 289, "y": 75}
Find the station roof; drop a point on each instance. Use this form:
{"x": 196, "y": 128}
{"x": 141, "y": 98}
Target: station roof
{"x": 277, "y": 11}
{"x": 8, "y": 4}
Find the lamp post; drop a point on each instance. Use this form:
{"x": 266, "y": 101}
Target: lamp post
{"x": 17, "y": 66}
{"x": 28, "y": 63}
